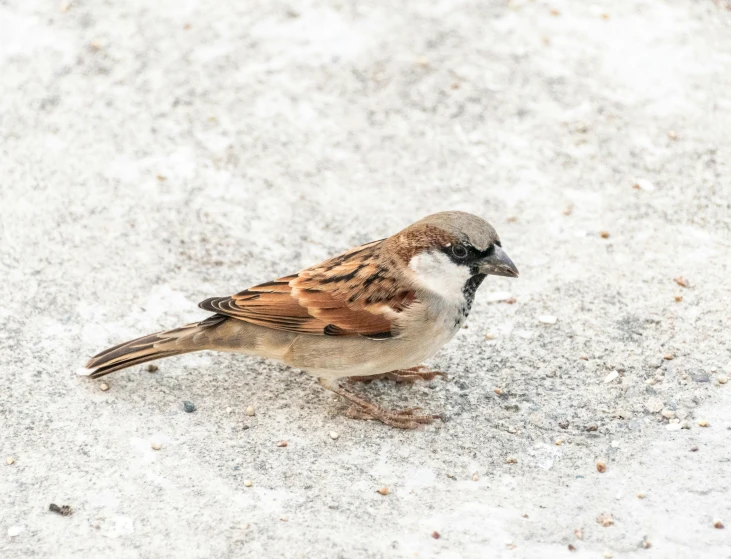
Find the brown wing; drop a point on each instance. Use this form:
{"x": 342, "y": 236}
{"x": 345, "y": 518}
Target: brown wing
{"x": 350, "y": 294}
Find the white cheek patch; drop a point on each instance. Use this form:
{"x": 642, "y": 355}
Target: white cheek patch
{"x": 437, "y": 273}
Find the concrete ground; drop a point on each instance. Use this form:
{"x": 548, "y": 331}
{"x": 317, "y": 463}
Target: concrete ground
{"x": 153, "y": 154}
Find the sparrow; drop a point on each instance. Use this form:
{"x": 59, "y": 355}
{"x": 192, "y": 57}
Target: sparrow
{"x": 374, "y": 311}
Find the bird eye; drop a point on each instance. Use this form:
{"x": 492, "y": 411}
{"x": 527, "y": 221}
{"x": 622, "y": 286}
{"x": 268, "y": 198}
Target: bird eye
{"x": 459, "y": 251}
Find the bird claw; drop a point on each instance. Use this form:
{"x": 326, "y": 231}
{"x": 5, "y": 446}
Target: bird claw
{"x": 363, "y": 409}
{"x": 402, "y": 419}
{"x": 409, "y": 376}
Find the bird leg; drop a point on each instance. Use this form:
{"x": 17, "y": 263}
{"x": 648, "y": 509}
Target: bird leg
{"x": 363, "y": 409}
{"x": 410, "y": 375}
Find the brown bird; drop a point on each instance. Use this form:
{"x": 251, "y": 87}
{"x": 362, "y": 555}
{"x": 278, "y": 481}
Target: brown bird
{"x": 376, "y": 310}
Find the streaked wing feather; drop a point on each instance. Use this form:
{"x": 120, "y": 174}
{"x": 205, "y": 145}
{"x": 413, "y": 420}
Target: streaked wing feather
{"x": 350, "y": 294}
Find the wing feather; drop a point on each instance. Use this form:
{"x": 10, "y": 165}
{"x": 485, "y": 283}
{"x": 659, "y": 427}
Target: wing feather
{"x": 350, "y": 294}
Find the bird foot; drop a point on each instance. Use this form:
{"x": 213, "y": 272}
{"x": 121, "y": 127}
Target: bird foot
{"x": 403, "y": 375}
{"x": 363, "y": 409}
{"x": 401, "y": 419}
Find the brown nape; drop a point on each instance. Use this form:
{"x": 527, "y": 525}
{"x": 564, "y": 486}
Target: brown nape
{"x": 417, "y": 238}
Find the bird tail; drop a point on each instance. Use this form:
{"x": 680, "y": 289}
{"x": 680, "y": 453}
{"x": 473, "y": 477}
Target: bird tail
{"x": 148, "y": 348}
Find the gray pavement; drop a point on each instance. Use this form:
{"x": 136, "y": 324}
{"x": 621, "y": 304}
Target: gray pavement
{"x": 153, "y": 154}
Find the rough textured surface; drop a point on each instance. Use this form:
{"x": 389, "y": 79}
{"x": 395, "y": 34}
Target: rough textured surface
{"x": 154, "y": 154}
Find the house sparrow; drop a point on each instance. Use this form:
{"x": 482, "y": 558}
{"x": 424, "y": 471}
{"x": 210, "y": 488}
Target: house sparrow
{"x": 377, "y": 309}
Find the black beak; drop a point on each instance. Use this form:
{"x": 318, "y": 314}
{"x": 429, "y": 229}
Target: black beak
{"x": 498, "y": 264}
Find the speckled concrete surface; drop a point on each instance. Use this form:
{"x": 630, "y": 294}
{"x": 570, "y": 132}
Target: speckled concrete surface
{"x": 155, "y": 154}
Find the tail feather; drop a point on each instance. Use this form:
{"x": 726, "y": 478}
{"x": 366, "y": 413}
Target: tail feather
{"x": 148, "y": 348}
{"x": 111, "y": 367}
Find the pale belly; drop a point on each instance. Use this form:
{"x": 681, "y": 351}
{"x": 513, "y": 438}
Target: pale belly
{"x": 333, "y": 358}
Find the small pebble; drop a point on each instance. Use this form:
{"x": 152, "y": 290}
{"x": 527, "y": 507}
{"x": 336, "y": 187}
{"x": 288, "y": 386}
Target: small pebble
{"x": 681, "y": 281}
{"x": 718, "y": 524}
{"x": 63, "y": 510}
{"x": 579, "y": 534}
{"x": 10, "y": 460}
{"x": 498, "y": 391}
{"x": 607, "y": 555}
{"x": 592, "y": 427}
{"x": 604, "y": 234}
{"x": 568, "y": 210}
{"x": 475, "y": 477}
{"x": 611, "y": 376}
{"x": 571, "y": 547}
{"x": 189, "y": 407}
{"x": 641, "y": 495}
{"x": 498, "y": 296}
{"x": 229, "y": 410}
{"x": 644, "y": 184}
{"x": 103, "y": 387}
{"x": 547, "y": 319}
{"x": 511, "y": 460}
{"x": 248, "y": 483}
{"x": 667, "y": 414}
{"x": 703, "y": 423}
{"x": 383, "y": 491}
{"x": 436, "y": 535}
{"x": 605, "y": 520}
{"x": 489, "y": 336}
{"x": 282, "y": 444}
{"x": 673, "y": 135}
{"x": 668, "y": 357}
{"x": 722, "y": 379}
{"x": 694, "y": 448}
{"x": 601, "y": 467}
{"x": 333, "y": 435}
{"x": 152, "y": 368}
{"x": 559, "y": 442}
{"x": 645, "y": 544}
{"x": 156, "y": 445}
{"x": 250, "y": 411}
{"x": 678, "y": 298}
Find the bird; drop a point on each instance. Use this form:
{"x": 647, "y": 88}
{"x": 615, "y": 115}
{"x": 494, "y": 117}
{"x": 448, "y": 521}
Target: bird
{"x": 375, "y": 311}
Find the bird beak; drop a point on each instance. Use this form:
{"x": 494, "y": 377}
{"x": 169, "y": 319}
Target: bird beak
{"x": 498, "y": 264}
